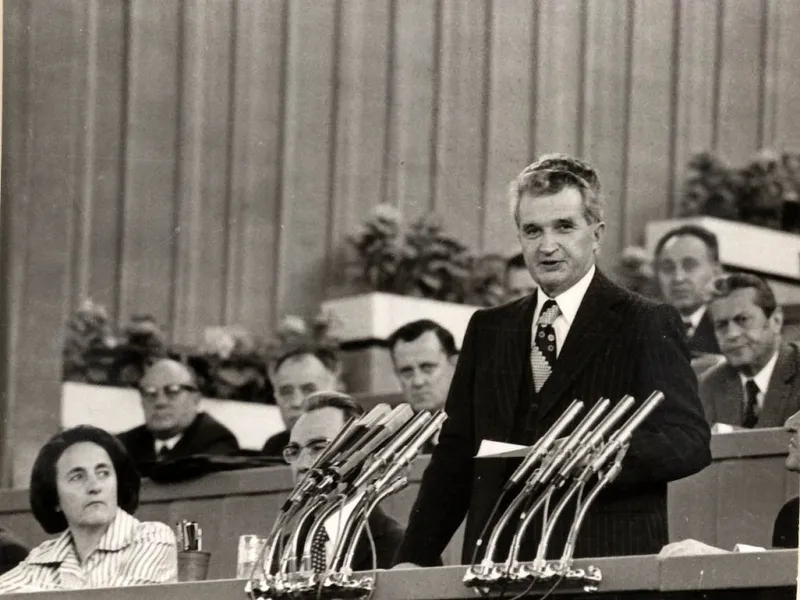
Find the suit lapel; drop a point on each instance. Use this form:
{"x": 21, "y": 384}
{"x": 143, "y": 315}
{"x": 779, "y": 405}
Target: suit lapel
{"x": 595, "y": 321}
{"x": 780, "y": 386}
{"x": 512, "y": 356}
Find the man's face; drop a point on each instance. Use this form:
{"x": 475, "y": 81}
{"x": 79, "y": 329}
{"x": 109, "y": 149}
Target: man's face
{"x": 519, "y": 283}
{"x": 311, "y": 434}
{"x": 684, "y": 269}
{"x": 424, "y": 371}
{"x": 746, "y": 336}
{"x": 792, "y": 426}
{"x": 87, "y": 486}
{"x": 558, "y": 243}
{"x": 170, "y": 399}
{"x": 295, "y": 380}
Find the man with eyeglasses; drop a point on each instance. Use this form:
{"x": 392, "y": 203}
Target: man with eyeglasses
{"x": 174, "y": 426}
{"x": 758, "y": 383}
{"x": 325, "y": 414}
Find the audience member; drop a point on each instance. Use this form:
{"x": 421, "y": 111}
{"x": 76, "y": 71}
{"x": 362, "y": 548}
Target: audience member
{"x": 784, "y": 530}
{"x": 12, "y": 551}
{"x": 325, "y": 415}
{"x": 686, "y": 260}
{"x": 519, "y": 282}
{"x": 174, "y": 426}
{"x": 85, "y": 486}
{"x": 758, "y": 383}
{"x": 424, "y": 356}
{"x": 297, "y": 374}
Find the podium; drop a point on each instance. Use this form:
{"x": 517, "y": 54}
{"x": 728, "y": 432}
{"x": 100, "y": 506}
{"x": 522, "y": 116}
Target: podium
{"x": 767, "y": 575}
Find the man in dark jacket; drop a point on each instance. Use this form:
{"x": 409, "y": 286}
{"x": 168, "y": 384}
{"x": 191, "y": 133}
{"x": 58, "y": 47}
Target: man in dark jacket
{"x": 174, "y": 426}
{"x": 12, "y": 551}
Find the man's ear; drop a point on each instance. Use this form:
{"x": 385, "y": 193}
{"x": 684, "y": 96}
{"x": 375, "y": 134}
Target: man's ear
{"x": 453, "y": 359}
{"x": 776, "y": 318}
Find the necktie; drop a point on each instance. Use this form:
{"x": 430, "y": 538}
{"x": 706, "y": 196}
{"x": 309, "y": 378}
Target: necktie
{"x": 687, "y": 329}
{"x": 751, "y": 406}
{"x": 543, "y": 349}
{"x": 319, "y": 559}
{"x": 162, "y": 453}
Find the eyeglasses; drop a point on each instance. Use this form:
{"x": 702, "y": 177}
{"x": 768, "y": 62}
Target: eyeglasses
{"x": 314, "y": 448}
{"x": 171, "y": 390}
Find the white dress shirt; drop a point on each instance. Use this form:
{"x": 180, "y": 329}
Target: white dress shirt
{"x": 761, "y": 379}
{"x": 168, "y": 444}
{"x": 568, "y": 303}
{"x": 694, "y": 320}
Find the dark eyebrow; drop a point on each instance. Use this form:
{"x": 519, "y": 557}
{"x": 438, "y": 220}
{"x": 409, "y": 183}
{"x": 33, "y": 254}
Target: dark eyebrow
{"x": 316, "y": 439}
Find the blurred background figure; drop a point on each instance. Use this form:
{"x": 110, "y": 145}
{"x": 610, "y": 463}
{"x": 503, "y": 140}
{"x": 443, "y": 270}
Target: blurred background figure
{"x": 686, "y": 260}
{"x": 519, "y": 282}
{"x": 12, "y": 551}
{"x": 174, "y": 426}
{"x": 325, "y": 415}
{"x": 85, "y": 486}
{"x": 424, "y": 356}
{"x": 296, "y": 375}
{"x": 758, "y": 383}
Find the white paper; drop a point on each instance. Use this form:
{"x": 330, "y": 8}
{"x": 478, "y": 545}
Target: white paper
{"x": 723, "y": 428}
{"x": 493, "y": 448}
{"x": 748, "y": 548}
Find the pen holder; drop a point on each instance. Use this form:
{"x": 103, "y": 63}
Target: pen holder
{"x": 193, "y": 565}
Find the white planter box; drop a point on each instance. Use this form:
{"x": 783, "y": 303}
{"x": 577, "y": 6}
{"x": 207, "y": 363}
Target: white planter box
{"x": 119, "y": 409}
{"x": 773, "y": 253}
{"x": 376, "y": 315}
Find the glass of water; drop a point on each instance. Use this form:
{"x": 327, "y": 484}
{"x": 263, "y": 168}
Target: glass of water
{"x": 250, "y": 547}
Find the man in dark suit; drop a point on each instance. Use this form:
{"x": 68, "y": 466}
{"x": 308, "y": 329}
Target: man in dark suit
{"x": 758, "y": 383}
{"x": 296, "y": 374}
{"x": 12, "y": 551}
{"x": 325, "y": 415}
{"x": 513, "y": 380}
{"x": 686, "y": 260}
{"x": 174, "y": 426}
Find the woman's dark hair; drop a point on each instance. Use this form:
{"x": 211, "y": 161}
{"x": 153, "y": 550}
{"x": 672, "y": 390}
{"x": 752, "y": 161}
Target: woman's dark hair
{"x": 43, "y": 491}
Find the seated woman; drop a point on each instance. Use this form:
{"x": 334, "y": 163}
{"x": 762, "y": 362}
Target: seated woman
{"x": 85, "y": 485}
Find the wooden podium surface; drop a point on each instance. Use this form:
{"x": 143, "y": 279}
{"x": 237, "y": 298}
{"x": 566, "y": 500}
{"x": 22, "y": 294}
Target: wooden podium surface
{"x": 734, "y": 500}
{"x": 768, "y": 575}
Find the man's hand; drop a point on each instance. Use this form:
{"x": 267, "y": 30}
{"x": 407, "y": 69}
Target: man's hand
{"x": 400, "y": 566}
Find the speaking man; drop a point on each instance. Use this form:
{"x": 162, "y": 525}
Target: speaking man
{"x": 521, "y": 364}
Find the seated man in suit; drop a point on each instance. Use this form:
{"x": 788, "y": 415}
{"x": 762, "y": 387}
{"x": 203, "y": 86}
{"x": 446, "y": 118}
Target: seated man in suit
{"x": 296, "y": 374}
{"x": 174, "y": 426}
{"x": 325, "y": 415}
{"x": 519, "y": 282}
{"x": 758, "y": 384}
{"x": 686, "y": 261}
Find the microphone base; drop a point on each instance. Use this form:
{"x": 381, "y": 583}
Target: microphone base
{"x": 310, "y": 586}
{"x": 539, "y": 576}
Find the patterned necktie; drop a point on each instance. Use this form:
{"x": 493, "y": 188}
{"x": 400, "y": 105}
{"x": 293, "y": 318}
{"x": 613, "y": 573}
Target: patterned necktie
{"x": 319, "y": 558}
{"x": 543, "y": 349}
{"x": 751, "y": 407}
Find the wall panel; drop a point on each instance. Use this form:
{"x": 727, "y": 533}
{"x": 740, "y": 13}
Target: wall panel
{"x": 203, "y": 161}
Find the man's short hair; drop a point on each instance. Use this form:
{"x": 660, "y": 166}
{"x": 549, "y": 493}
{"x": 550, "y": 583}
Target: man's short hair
{"x": 327, "y": 356}
{"x": 414, "y": 330}
{"x": 724, "y": 285}
{"x": 516, "y": 262}
{"x": 327, "y": 399}
{"x": 701, "y": 233}
{"x": 43, "y": 488}
{"x": 552, "y": 173}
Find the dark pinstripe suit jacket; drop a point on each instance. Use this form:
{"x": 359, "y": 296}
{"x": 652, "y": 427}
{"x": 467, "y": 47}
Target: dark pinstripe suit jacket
{"x": 618, "y": 344}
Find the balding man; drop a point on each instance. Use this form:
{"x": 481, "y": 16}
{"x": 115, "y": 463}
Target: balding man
{"x": 174, "y": 426}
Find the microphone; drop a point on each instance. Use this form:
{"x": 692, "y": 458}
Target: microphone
{"x": 411, "y": 450}
{"x": 368, "y": 427}
{"x": 623, "y": 435}
{"x": 597, "y": 436}
{"x": 567, "y": 447}
{"x": 400, "y": 440}
{"x": 401, "y": 415}
{"x": 541, "y": 446}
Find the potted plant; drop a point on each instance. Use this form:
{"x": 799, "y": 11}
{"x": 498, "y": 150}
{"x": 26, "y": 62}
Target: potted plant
{"x": 401, "y": 272}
